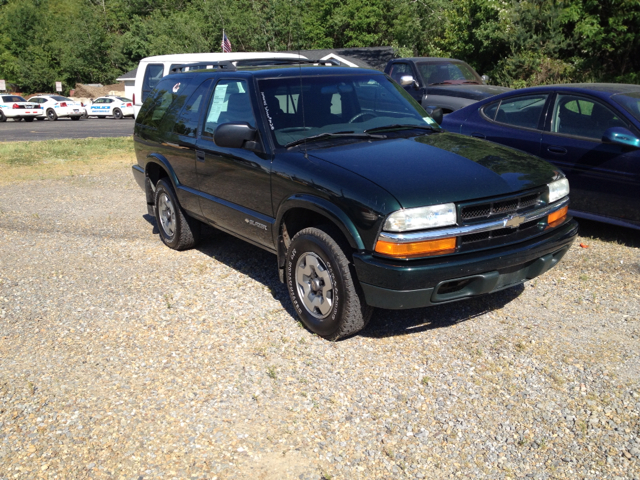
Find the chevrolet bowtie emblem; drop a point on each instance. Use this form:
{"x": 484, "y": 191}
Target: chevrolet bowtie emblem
{"x": 513, "y": 221}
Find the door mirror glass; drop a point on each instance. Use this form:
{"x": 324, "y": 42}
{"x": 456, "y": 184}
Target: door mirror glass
{"x": 621, "y": 136}
{"x": 407, "y": 80}
{"x": 485, "y": 78}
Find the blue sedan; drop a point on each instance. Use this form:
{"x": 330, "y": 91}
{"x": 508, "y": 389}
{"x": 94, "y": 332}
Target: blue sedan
{"x": 590, "y": 131}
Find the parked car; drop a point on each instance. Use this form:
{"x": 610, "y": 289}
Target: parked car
{"x": 443, "y": 83}
{"x": 118, "y": 107}
{"x": 152, "y": 69}
{"x": 57, "y": 106}
{"x": 590, "y": 131}
{"x": 16, "y": 107}
{"x": 363, "y": 198}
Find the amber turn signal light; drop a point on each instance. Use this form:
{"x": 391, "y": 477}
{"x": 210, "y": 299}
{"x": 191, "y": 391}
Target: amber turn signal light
{"x": 417, "y": 249}
{"x": 558, "y": 215}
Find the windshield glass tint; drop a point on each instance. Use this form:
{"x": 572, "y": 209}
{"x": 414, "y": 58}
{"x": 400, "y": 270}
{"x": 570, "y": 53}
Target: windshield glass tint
{"x": 451, "y": 73}
{"x": 630, "y": 102}
{"x": 297, "y": 108}
{"x": 59, "y": 98}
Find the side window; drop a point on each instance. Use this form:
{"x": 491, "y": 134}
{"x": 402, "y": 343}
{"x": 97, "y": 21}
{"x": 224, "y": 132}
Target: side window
{"x": 187, "y": 123}
{"x": 230, "y": 103}
{"x": 490, "y": 110}
{"x": 574, "y": 115}
{"x": 519, "y": 112}
{"x": 152, "y": 75}
{"x": 398, "y": 70}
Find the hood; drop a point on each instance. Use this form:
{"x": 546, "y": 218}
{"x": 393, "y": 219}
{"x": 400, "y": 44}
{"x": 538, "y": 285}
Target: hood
{"x": 440, "y": 167}
{"x": 473, "y": 92}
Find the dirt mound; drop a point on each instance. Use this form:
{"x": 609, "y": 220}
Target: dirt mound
{"x": 87, "y": 91}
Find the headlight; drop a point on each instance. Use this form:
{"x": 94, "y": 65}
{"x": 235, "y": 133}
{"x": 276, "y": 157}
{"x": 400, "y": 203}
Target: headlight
{"x": 558, "y": 189}
{"x": 420, "y": 218}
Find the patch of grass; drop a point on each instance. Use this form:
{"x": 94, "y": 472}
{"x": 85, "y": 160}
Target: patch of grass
{"x": 426, "y": 380}
{"x": 50, "y": 159}
{"x": 271, "y": 371}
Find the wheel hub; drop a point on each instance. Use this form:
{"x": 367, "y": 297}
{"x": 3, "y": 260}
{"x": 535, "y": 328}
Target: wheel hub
{"x": 314, "y": 285}
{"x": 167, "y": 214}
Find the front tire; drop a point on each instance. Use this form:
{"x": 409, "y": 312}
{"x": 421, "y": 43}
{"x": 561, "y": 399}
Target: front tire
{"x": 3, "y": 118}
{"x": 117, "y": 113}
{"x": 75, "y": 118}
{"x": 40, "y": 118}
{"x": 28, "y": 119}
{"x": 52, "y": 115}
{"x": 322, "y": 285}
{"x": 177, "y": 230}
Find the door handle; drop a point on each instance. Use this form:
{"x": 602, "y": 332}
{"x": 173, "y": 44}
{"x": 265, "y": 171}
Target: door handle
{"x": 200, "y": 155}
{"x": 557, "y": 150}
{"x": 478, "y": 135}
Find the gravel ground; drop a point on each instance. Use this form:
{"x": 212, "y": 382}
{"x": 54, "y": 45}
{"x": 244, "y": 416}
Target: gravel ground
{"x": 120, "y": 358}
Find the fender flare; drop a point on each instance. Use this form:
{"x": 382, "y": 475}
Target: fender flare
{"x": 156, "y": 158}
{"x": 323, "y": 207}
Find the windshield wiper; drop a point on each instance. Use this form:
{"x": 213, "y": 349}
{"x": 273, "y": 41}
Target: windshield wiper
{"x": 399, "y": 126}
{"x": 330, "y": 134}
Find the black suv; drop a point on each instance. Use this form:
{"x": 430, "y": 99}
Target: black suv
{"x": 339, "y": 172}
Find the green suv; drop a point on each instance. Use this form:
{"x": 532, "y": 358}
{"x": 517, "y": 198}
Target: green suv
{"x": 363, "y": 198}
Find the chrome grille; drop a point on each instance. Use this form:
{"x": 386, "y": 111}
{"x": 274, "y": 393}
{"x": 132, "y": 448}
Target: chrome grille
{"x": 498, "y": 207}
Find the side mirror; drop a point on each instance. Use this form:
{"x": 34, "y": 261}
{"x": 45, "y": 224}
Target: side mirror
{"x": 435, "y": 113}
{"x": 621, "y": 136}
{"x": 237, "y": 135}
{"x": 408, "y": 80}
{"x": 485, "y": 78}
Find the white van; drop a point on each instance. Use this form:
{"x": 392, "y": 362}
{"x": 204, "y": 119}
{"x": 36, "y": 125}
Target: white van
{"x": 152, "y": 69}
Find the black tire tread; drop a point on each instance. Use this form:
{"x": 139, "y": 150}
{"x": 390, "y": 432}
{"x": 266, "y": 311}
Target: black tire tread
{"x": 187, "y": 232}
{"x": 357, "y": 313}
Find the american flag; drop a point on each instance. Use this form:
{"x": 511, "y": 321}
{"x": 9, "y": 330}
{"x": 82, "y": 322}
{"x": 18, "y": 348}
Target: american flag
{"x": 226, "y": 44}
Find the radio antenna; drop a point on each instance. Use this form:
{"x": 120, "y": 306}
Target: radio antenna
{"x": 301, "y": 96}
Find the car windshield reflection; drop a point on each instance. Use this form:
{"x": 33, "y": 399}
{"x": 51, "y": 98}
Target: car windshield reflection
{"x": 310, "y": 107}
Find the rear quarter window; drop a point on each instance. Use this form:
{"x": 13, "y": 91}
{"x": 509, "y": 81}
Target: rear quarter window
{"x": 161, "y": 108}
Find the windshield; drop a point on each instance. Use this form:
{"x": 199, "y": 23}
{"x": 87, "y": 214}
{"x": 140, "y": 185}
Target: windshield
{"x": 12, "y": 98}
{"x": 630, "y": 102}
{"x": 298, "y": 108}
{"x": 122, "y": 99}
{"x": 451, "y": 73}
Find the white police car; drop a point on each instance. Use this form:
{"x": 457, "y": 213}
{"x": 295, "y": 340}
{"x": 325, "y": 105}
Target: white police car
{"x": 119, "y": 107}
{"x": 16, "y": 107}
{"x": 56, "y": 106}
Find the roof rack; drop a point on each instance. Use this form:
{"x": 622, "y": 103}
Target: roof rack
{"x": 231, "y": 65}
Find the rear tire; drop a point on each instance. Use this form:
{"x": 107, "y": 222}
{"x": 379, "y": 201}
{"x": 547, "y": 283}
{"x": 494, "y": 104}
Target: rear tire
{"x": 75, "y": 118}
{"x": 177, "y": 229}
{"x": 28, "y": 119}
{"x": 40, "y": 118}
{"x": 322, "y": 284}
{"x": 117, "y": 113}
{"x": 3, "y": 118}
{"x": 52, "y": 115}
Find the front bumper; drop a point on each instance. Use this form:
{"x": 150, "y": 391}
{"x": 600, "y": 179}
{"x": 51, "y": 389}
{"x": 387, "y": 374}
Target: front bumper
{"x": 412, "y": 284}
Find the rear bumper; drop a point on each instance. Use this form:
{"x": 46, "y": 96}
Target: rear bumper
{"x": 412, "y": 284}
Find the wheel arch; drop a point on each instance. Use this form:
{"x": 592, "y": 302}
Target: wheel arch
{"x": 157, "y": 167}
{"x": 302, "y": 211}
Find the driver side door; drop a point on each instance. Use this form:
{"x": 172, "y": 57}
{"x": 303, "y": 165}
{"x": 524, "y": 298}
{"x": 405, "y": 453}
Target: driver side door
{"x": 604, "y": 177}
{"x": 235, "y": 183}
